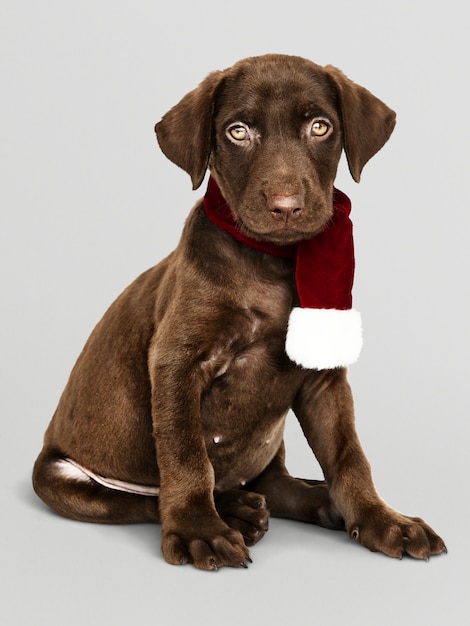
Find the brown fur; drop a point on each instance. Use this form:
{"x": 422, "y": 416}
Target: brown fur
{"x": 184, "y": 384}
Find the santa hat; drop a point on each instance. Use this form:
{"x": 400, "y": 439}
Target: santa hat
{"x": 324, "y": 332}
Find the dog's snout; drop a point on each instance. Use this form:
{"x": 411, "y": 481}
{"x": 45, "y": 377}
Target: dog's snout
{"x": 286, "y": 207}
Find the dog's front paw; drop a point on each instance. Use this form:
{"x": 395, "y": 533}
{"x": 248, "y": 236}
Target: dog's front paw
{"x": 382, "y": 529}
{"x": 208, "y": 546}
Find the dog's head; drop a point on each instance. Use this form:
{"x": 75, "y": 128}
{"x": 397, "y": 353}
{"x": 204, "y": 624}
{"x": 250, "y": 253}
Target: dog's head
{"x": 271, "y": 129}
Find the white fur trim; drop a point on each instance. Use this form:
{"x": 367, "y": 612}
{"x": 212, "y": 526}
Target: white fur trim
{"x": 324, "y": 338}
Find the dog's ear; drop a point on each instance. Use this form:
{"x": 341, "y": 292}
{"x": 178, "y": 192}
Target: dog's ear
{"x": 367, "y": 121}
{"x": 184, "y": 133}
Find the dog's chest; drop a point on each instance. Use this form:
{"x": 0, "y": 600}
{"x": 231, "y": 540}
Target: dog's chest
{"x": 247, "y": 390}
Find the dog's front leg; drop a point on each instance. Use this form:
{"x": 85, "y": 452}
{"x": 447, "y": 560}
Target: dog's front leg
{"x": 324, "y": 407}
{"x": 192, "y": 531}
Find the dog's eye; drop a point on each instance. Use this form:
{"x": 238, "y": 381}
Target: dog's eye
{"x": 238, "y": 132}
{"x": 319, "y": 128}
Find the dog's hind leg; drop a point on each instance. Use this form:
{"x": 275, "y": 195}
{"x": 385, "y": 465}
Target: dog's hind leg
{"x": 294, "y": 498}
{"x": 70, "y": 491}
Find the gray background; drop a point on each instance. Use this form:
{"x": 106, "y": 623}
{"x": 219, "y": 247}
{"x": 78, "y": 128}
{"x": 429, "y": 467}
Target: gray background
{"x": 88, "y": 202}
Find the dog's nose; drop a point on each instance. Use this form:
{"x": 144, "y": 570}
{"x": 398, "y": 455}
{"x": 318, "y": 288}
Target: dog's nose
{"x": 286, "y": 207}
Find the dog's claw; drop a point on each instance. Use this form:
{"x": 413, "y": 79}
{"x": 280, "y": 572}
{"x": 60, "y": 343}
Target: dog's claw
{"x": 244, "y": 565}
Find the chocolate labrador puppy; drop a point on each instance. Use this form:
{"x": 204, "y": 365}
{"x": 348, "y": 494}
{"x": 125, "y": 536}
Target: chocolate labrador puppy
{"x": 174, "y": 412}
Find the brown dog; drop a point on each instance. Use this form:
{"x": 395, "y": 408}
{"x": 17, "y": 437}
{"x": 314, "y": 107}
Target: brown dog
{"x": 174, "y": 411}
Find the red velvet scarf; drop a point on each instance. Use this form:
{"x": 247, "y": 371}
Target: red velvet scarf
{"x": 324, "y": 264}
{"x": 324, "y": 332}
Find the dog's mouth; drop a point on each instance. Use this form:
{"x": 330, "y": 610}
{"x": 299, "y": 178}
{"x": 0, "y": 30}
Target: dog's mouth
{"x": 285, "y": 234}
{"x": 281, "y": 236}
{"x": 284, "y": 219}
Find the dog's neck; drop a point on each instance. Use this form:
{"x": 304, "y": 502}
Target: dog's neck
{"x": 219, "y": 212}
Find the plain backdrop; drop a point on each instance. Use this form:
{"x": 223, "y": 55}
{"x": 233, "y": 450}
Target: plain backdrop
{"x": 88, "y": 202}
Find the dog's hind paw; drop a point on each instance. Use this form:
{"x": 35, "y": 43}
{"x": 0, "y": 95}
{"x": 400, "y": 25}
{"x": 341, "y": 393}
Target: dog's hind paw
{"x": 244, "y": 511}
